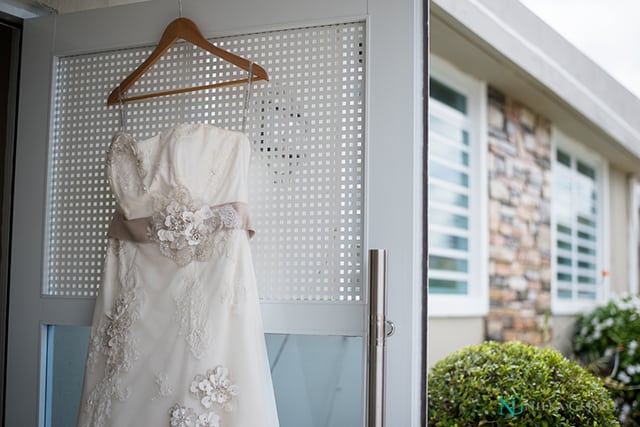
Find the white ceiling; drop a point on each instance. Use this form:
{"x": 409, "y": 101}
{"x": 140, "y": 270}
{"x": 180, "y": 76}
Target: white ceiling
{"x": 31, "y": 8}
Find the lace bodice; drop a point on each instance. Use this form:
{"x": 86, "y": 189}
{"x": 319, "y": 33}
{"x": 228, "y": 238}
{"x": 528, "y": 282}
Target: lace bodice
{"x": 210, "y": 162}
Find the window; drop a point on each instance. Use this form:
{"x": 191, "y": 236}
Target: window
{"x": 578, "y": 223}
{"x": 457, "y": 193}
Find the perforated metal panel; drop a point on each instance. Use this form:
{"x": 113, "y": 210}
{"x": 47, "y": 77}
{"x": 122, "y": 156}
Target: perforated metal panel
{"x": 306, "y": 126}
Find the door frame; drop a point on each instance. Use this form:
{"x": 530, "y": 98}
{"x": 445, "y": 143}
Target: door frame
{"x": 14, "y": 25}
{"x": 393, "y": 181}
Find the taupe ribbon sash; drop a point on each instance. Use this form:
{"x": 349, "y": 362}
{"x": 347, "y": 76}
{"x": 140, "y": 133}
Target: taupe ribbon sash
{"x": 136, "y": 229}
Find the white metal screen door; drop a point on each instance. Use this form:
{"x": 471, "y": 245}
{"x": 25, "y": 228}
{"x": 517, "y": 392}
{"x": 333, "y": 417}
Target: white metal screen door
{"x": 308, "y": 130}
{"x": 306, "y": 191}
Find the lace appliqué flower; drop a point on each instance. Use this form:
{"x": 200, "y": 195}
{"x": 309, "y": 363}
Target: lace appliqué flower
{"x": 186, "y": 231}
{"x": 181, "y": 416}
{"x": 113, "y": 340}
{"x": 191, "y": 315}
{"x": 209, "y": 419}
{"x": 234, "y": 294}
{"x": 123, "y": 156}
{"x": 164, "y": 387}
{"x": 214, "y": 388}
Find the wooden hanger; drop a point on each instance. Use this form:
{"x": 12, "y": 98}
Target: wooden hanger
{"x": 183, "y": 28}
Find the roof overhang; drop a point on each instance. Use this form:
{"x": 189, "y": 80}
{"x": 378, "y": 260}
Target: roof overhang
{"x": 24, "y": 9}
{"x": 506, "y": 45}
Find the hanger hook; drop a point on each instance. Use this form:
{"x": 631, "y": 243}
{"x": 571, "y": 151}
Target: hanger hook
{"x": 247, "y": 95}
{"x": 122, "y": 111}
{"x": 180, "y": 7}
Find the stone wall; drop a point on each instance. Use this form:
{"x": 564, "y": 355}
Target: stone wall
{"x": 519, "y": 168}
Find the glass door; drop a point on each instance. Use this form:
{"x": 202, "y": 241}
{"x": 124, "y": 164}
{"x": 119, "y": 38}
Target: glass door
{"x": 317, "y": 378}
{"x": 306, "y": 181}
{"x": 334, "y": 171}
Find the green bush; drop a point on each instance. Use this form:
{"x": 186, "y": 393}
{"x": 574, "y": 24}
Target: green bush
{"x": 515, "y": 384}
{"x": 606, "y": 341}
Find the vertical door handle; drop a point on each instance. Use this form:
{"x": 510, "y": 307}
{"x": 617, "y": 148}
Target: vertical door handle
{"x": 379, "y": 329}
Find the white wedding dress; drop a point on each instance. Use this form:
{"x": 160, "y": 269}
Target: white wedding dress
{"x": 177, "y": 336}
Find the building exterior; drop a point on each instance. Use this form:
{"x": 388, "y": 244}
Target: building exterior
{"x": 534, "y": 153}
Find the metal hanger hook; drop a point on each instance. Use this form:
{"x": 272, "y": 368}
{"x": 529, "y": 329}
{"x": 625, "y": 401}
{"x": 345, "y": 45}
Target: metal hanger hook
{"x": 122, "y": 111}
{"x": 180, "y": 8}
{"x": 247, "y": 95}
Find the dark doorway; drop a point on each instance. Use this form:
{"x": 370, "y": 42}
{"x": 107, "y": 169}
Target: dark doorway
{"x": 10, "y": 33}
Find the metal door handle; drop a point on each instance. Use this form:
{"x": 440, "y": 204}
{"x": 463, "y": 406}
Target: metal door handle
{"x": 379, "y": 330}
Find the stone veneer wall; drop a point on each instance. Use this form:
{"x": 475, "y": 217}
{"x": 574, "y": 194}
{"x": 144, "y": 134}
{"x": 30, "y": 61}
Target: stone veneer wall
{"x": 519, "y": 168}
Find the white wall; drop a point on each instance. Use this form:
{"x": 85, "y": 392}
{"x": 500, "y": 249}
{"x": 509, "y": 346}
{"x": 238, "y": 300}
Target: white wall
{"x": 562, "y": 328}
{"x": 619, "y": 225}
{"x": 448, "y": 334}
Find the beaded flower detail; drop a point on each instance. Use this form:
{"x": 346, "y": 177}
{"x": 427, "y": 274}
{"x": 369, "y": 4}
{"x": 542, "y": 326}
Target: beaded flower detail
{"x": 214, "y": 387}
{"x": 185, "y": 230}
{"x": 181, "y": 416}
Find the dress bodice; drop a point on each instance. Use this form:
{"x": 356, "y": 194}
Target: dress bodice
{"x": 211, "y": 163}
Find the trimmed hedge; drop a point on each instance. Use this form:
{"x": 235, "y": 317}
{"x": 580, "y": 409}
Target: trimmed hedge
{"x": 515, "y": 384}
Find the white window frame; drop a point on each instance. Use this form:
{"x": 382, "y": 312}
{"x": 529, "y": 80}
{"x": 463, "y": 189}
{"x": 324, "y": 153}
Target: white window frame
{"x": 476, "y": 301}
{"x": 575, "y": 306}
{"x": 634, "y": 234}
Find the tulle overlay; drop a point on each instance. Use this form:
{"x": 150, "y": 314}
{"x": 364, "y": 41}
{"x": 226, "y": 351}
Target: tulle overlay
{"x": 177, "y": 337}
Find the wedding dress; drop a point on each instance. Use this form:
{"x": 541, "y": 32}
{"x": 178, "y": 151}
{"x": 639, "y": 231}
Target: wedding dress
{"x": 177, "y": 336}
